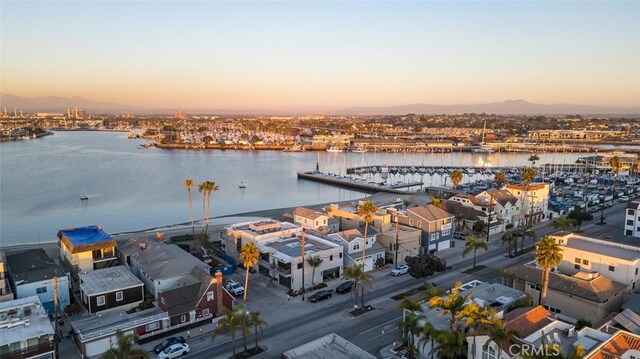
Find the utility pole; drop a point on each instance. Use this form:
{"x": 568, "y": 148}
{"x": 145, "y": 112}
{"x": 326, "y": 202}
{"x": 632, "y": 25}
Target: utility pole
{"x": 395, "y": 262}
{"x": 303, "y": 243}
{"x": 490, "y": 210}
{"x": 55, "y": 315}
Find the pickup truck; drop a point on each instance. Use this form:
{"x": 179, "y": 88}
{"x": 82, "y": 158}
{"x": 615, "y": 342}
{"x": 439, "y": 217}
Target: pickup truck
{"x": 234, "y": 287}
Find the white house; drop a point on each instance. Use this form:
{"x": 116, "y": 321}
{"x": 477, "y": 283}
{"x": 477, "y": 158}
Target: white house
{"x": 281, "y": 258}
{"x": 256, "y": 232}
{"x": 632, "y": 219}
{"x": 86, "y": 248}
{"x": 352, "y": 241}
{"x": 534, "y": 199}
{"x": 311, "y": 219}
{"x": 506, "y": 205}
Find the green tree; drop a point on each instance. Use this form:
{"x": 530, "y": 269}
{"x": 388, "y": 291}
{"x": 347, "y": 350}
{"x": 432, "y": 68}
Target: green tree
{"x": 616, "y": 165}
{"x": 451, "y": 304}
{"x": 510, "y": 240}
{"x": 428, "y": 333}
{"x": 475, "y": 317}
{"x": 472, "y": 245}
{"x": 451, "y": 345}
{"x": 125, "y": 348}
{"x": 249, "y": 256}
{"x": 409, "y": 328}
{"x": 456, "y": 177}
{"x": 548, "y": 255}
{"x": 528, "y": 176}
{"x": 498, "y": 334}
{"x": 525, "y": 231}
{"x": 480, "y": 228}
{"x": 366, "y": 211}
{"x": 561, "y": 223}
{"x": 188, "y": 184}
{"x": 533, "y": 158}
{"x": 314, "y": 262}
{"x": 500, "y": 178}
{"x": 258, "y": 323}
{"x": 359, "y": 277}
{"x": 409, "y": 304}
{"x": 579, "y": 216}
{"x": 424, "y": 265}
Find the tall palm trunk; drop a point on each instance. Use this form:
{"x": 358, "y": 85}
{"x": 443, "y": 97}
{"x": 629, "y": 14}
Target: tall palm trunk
{"x": 364, "y": 245}
{"x": 545, "y": 285}
{"x": 256, "y": 334}
{"x": 246, "y": 284}
{"x": 193, "y": 230}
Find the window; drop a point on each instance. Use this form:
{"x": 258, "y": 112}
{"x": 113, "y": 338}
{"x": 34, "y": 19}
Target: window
{"x": 553, "y": 309}
{"x": 534, "y": 286}
{"x": 629, "y": 222}
{"x": 577, "y": 260}
{"x": 299, "y": 265}
{"x": 488, "y": 353}
{"x": 419, "y": 224}
{"x": 331, "y": 257}
{"x": 432, "y": 237}
{"x": 356, "y": 246}
{"x": 209, "y": 296}
{"x": 205, "y": 312}
{"x": 41, "y": 290}
{"x": 152, "y": 326}
{"x": 576, "y": 266}
{"x": 628, "y": 232}
{"x": 612, "y": 269}
{"x": 411, "y": 222}
{"x": 100, "y": 300}
{"x": 630, "y": 212}
{"x": 183, "y": 318}
{"x": 119, "y": 296}
{"x": 585, "y": 262}
{"x": 340, "y": 256}
{"x": 446, "y": 232}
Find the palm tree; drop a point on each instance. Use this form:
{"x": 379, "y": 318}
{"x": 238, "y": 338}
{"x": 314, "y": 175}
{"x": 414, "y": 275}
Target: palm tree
{"x": 548, "y": 254}
{"x": 359, "y": 277}
{"x": 451, "y": 305}
{"x": 508, "y": 238}
{"x": 124, "y": 348}
{"x": 615, "y": 164}
{"x": 500, "y": 178}
{"x": 428, "y": 334}
{"x": 203, "y": 189}
{"x": 230, "y": 322}
{"x": 450, "y": 345}
{"x": 561, "y": 223}
{"x": 528, "y": 176}
{"x": 249, "y": 255}
{"x": 314, "y": 262}
{"x": 526, "y": 231}
{"x": 366, "y": 211}
{"x": 475, "y": 316}
{"x": 409, "y": 304}
{"x": 409, "y": 327}
{"x": 471, "y": 244}
{"x": 211, "y": 187}
{"x": 257, "y": 322}
{"x": 456, "y": 177}
{"x": 533, "y": 158}
{"x": 498, "y": 334}
{"x": 188, "y": 183}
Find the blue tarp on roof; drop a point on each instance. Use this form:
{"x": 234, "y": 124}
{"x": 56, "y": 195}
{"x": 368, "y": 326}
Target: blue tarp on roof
{"x": 84, "y": 235}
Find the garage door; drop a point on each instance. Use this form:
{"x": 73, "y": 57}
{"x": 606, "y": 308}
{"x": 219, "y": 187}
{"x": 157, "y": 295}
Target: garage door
{"x": 100, "y": 346}
{"x": 331, "y": 273}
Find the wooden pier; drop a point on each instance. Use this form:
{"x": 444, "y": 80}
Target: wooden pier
{"x": 368, "y": 187}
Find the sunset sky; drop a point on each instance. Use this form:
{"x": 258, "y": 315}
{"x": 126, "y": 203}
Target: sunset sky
{"x": 323, "y": 55}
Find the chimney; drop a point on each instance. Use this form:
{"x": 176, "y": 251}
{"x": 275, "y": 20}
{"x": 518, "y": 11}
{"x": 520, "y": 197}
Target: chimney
{"x": 219, "y": 293}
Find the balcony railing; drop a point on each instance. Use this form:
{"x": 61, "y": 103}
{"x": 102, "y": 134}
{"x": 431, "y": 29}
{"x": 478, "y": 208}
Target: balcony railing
{"x": 30, "y": 351}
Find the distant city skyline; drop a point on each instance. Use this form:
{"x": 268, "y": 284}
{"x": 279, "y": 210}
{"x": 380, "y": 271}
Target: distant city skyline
{"x": 323, "y": 55}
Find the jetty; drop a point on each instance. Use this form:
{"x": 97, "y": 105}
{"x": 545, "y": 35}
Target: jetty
{"x": 358, "y": 183}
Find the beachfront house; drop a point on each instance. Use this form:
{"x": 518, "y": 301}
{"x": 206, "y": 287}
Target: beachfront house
{"x": 310, "y": 219}
{"x": 534, "y": 199}
{"x": 435, "y": 223}
{"x": 353, "y": 240}
{"x": 31, "y": 272}
{"x": 281, "y": 259}
{"x": 582, "y": 295}
{"x": 84, "y": 249}
{"x": 110, "y": 288}
{"x": 256, "y": 232}
{"x": 400, "y": 242}
{"x": 465, "y": 217}
{"x": 26, "y": 331}
{"x": 348, "y": 217}
{"x": 483, "y": 205}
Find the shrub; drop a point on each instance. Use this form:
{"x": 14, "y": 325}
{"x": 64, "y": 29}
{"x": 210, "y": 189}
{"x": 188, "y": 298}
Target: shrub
{"x": 581, "y": 323}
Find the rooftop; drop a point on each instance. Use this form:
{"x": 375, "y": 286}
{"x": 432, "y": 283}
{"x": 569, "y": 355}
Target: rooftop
{"x": 292, "y": 247}
{"x": 105, "y": 324}
{"x": 617, "y": 345}
{"x": 84, "y": 239}
{"x": 330, "y": 346}
{"x": 32, "y": 265}
{"x": 160, "y": 260}
{"x": 430, "y": 212}
{"x": 258, "y": 228}
{"x": 108, "y": 280}
{"x": 607, "y": 248}
{"x": 307, "y": 213}
{"x": 21, "y": 319}
{"x": 350, "y": 234}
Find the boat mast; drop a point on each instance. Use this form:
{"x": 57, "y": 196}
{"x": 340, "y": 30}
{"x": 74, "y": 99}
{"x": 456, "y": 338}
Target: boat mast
{"x": 484, "y": 128}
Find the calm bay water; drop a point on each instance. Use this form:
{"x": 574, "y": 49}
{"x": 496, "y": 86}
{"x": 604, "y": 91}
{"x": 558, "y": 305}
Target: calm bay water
{"x": 131, "y": 188}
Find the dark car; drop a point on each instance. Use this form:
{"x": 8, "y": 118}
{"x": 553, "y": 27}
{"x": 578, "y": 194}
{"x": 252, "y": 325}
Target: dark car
{"x": 167, "y": 343}
{"x": 345, "y": 287}
{"x": 320, "y": 295}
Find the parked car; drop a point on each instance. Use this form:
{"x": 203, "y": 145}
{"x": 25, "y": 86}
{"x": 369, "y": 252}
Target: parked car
{"x": 234, "y": 287}
{"x": 345, "y": 287}
{"x": 623, "y": 199}
{"x": 167, "y": 343}
{"x": 174, "y": 351}
{"x": 320, "y": 295}
{"x": 400, "y": 270}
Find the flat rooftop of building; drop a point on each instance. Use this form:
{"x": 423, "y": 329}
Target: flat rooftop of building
{"x": 84, "y": 239}
{"x": 330, "y": 346}
{"x": 160, "y": 260}
{"x": 108, "y": 280}
{"x": 101, "y": 324}
{"x": 245, "y": 227}
{"x": 13, "y": 311}
{"x": 604, "y": 247}
{"x": 32, "y": 265}
{"x": 292, "y": 247}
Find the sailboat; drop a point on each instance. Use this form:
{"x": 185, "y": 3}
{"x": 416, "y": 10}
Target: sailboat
{"x": 484, "y": 147}
{"x": 242, "y": 185}
{"x": 83, "y": 195}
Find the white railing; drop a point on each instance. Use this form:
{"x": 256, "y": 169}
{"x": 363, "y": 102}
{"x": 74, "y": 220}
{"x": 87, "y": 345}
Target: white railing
{"x": 163, "y": 330}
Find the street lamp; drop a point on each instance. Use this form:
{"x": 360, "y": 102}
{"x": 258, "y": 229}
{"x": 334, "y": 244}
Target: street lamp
{"x": 302, "y": 245}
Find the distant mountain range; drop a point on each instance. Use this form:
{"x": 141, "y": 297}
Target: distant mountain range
{"x": 510, "y": 107}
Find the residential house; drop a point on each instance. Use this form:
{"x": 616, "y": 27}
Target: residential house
{"x": 587, "y": 296}
{"x": 310, "y": 219}
{"x": 353, "y": 240}
{"x": 616, "y": 261}
{"x": 628, "y": 319}
{"x": 534, "y": 199}
{"x": 109, "y": 288}
{"x": 255, "y": 232}
{"x": 281, "y": 259}
{"x": 466, "y": 216}
{"x": 506, "y": 205}
{"x": 401, "y": 243}
{"x": 622, "y": 344}
{"x": 632, "y": 219}
{"x": 32, "y": 272}
{"x": 486, "y": 295}
{"x": 329, "y": 346}
{"x": 533, "y": 328}
{"x": 482, "y": 205}
{"x": 435, "y": 223}
{"x": 86, "y": 248}
{"x": 5, "y": 287}
{"x": 349, "y": 218}
{"x": 25, "y": 330}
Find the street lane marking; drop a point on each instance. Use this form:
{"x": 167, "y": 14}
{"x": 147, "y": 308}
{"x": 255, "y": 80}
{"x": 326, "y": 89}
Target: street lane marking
{"x": 381, "y": 325}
